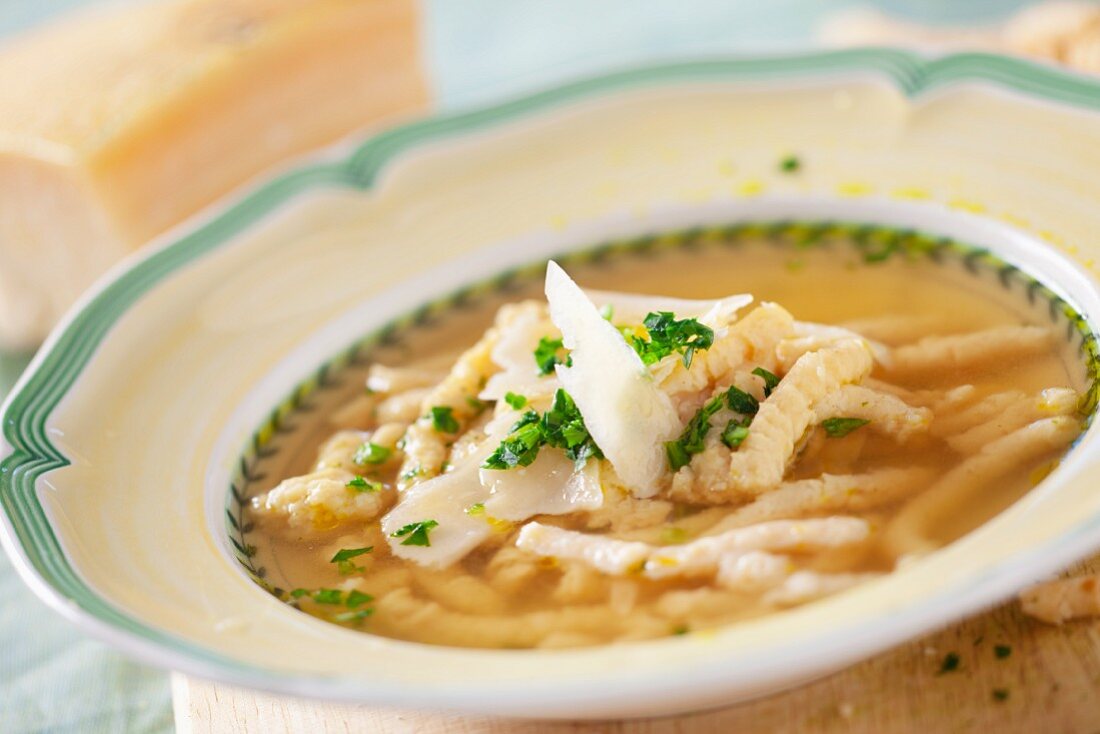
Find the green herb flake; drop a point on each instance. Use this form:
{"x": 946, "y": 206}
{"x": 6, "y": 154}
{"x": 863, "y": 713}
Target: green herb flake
{"x": 299, "y": 593}
{"x": 1000, "y": 694}
{"x": 362, "y": 484}
{"x": 735, "y": 433}
{"x": 1002, "y": 651}
{"x": 520, "y": 447}
{"x": 356, "y": 616}
{"x": 667, "y": 335}
{"x": 681, "y": 629}
{"x": 515, "y": 401}
{"x": 547, "y": 355}
{"x": 371, "y": 453}
{"x": 443, "y": 419}
{"x": 741, "y": 402}
{"x": 562, "y": 426}
{"x": 346, "y": 554}
{"x": 677, "y": 456}
{"x": 475, "y": 509}
{"x": 691, "y": 440}
{"x": 328, "y": 596}
{"x": 950, "y": 663}
{"x": 345, "y": 565}
{"x": 841, "y": 427}
{"x": 607, "y": 312}
{"x": 357, "y": 598}
{"x": 770, "y": 380}
{"x": 415, "y": 533}
{"x": 478, "y": 406}
{"x": 790, "y": 164}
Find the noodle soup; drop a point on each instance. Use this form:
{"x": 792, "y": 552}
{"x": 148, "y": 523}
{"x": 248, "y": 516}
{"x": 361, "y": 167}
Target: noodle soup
{"x": 561, "y": 465}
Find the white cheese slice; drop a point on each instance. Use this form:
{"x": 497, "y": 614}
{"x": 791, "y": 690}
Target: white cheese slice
{"x": 445, "y": 499}
{"x": 550, "y": 486}
{"x": 632, "y": 308}
{"x": 514, "y": 353}
{"x": 627, "y": 415}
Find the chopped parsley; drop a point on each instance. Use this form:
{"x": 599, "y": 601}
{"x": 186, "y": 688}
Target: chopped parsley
{"x": 443, "y": 419}
{"x": 521, "y": 446}
{"x": 770, "y": 380}
{"x": 362, "y": 484}
{"x": 1000, "y": 694}
{"x": 328, "y": 596}
{"x": 416, "y": 532}
{"x": 790, "y": 164}
{"x": 478, "y": 406}
{"x": 1002, "y": 651}
{"x": 667, "y": 335}
{"x": 735, "y": 433}
{"x": 343, "y": 562}
{"x": 607, "y": 312}
{"x": 562, "y": 427}
{"x": 515, "y": 401}
{"x": 356, "y": 616}
{"x": 357, "y": 598}
{"x": 680, "y": 629}
{"x": 371, "y": 453}
{"x": 678, "y": 457}
{"x": 741, "y": 402}
{"x": 547, "y": 355}
{"x": 841, "y": 427}
{"x": 346, "y": 554}
{"x": 950, "y": 663}
{"x": 353, "y": 601}
{"x": 691, "y": 440}
{"x": 475, "y": 509}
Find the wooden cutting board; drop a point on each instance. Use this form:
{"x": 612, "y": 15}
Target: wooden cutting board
{"x": 1013, "y": 675}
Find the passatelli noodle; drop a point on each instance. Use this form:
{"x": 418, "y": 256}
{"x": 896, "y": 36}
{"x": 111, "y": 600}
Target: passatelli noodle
{"x": 602, "y": 466}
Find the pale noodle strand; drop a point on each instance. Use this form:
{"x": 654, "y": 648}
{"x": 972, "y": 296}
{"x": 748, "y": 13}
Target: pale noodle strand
{"x": 1047, "y": 404}
{"x": 907, "y": 532}
{"x": 983, "y": 411}
{"x": 944, "y": 356}
{"x": 829, "y": 493}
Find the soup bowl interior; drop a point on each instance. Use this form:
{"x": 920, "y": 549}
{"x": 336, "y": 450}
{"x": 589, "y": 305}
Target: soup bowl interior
{"x": 133, "y": 438}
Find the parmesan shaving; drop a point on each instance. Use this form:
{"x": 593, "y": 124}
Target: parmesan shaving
{"x": 627, "y": 415}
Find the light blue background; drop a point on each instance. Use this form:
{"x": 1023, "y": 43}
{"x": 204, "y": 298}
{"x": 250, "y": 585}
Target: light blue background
{"x": 54, "y": 679}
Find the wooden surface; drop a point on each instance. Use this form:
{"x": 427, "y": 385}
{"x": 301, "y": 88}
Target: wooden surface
{"x": 1050, "y": 677}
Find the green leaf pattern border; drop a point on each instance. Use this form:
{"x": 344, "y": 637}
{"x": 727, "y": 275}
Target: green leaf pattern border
{"x": 873, "y": 243}
{"x": 61, "y": 360}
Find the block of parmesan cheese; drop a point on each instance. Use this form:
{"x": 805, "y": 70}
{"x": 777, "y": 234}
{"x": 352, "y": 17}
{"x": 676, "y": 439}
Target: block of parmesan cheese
{"x": 116, "y": 126}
